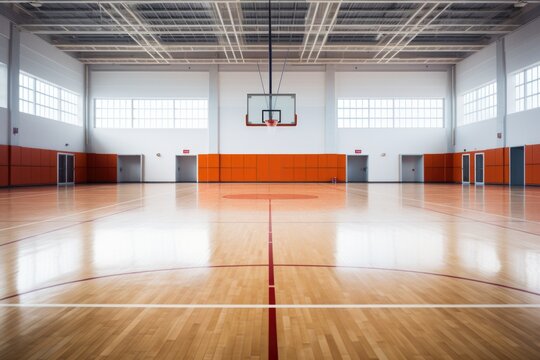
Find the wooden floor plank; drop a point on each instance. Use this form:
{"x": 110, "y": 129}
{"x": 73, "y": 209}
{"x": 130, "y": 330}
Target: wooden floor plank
{"x": 182, "y": 244}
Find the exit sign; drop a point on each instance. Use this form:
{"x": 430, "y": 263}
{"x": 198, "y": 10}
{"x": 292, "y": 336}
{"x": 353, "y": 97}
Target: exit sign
{"x": 357, "y": 151}
{"x": 185, "y": 151}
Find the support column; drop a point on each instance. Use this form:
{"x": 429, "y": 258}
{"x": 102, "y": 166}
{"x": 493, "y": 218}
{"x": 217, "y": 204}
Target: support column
{"x": 213, "y": 110}
{"x": 13, "y": 85}
{"x": 330, "y": 125}
{"x": 501, "y": 94}
{"x": 450, "y": 110}
{"x": 87, "y": 123}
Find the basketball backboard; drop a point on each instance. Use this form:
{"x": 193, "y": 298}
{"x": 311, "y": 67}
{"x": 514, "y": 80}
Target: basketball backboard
{"x": 283, "y": 109}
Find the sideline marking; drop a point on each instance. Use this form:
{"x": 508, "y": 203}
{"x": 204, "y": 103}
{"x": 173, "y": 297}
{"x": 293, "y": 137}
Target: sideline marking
{"x": 364, "y": 192}
{"x": 83, "y": 212}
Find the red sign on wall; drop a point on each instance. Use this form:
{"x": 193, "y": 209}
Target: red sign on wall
{"x": 185, "y": 151}
{"x": 357, "y": 151}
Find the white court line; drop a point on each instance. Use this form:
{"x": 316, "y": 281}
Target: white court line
{"x": 34, "y": 194}
{"x": 278, "y": 306}
{"x": 443, "y": 205}
{"x": 83, "y": 212}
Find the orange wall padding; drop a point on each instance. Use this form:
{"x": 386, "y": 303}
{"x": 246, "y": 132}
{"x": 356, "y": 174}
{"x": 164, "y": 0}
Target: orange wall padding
{"x": 496, "y": 166}
{"x": 271, "y": 167}
{"x": 438, "y": 167}
{"x": 532, "y": 164}
{"x": 31, "y": 166}
{"x": 102, "y": 168}
{"x": 20, "y": 166}
{"x": 4, "y": 165}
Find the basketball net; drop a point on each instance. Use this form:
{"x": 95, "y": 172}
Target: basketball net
{"x": 271, "y": 125}
{"x": 271, "y": 122}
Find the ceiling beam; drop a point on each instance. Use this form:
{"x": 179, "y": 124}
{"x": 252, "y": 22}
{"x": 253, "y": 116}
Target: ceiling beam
{"x": 262, "y": 32}
{"x": 414, "y": 36}
{"x": 261, "y": 48}
{"x": 329, "y": 60}
{"x": 265, "y": 1}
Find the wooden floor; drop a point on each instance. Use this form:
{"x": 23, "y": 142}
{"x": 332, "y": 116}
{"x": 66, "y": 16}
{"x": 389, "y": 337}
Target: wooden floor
{"x": 306, "y": 271}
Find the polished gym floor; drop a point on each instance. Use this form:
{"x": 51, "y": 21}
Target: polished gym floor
{"x": 235, "y": 271}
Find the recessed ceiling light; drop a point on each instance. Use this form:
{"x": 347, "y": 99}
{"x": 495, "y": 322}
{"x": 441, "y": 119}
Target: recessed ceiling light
{"x": 36, "y": 4}
{"x": 520, "y": 4}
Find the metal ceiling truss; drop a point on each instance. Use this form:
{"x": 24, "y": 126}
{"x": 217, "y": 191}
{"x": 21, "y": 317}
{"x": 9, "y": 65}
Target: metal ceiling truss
{"x": 304, "y": 31}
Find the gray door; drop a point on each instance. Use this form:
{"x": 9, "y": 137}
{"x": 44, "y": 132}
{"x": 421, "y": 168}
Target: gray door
{"x": 129, "y": 168}
{"x": 411, "y": 168}
{"x": 465, "y": 168}
{"x": 186, "y": 168}
{"x": 479, "y": 169}
{"x": 66, "y": 169}
{"x": 517, "y": 166}
{"x": 357, "y": 168}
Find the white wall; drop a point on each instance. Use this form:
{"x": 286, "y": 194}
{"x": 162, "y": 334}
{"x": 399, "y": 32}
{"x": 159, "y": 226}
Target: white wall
{"x": 523, "y": 128}
{"x": 475, "y": 71}
{"x": 4, "y": 57}
{"x": 391, "y": 142}
{"x": 523, "y": 46}
{"x": 43, "y": 60}
{"x": 236, "y": 138}
{"x": 306, "y": 137}
{"x": 522, "y": 49}
{"x": 149, "y": 142}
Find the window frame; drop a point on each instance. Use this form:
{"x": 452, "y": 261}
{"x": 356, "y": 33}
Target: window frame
{"x": 390, "y": 113}
{"x": 151, "y": 113}
{"x": 525, "y": 94}
{"x": 479, "y": 104}
{"x": 49, "y": 104}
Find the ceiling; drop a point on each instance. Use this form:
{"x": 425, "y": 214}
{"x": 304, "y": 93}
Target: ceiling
{"x": 303, "y": 32}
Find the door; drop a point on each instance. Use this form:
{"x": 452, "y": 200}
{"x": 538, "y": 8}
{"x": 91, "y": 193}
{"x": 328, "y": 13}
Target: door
{"x": 129, "y": 168}
{"x": 66, "y": 169}
{"x": 479, "y": 169}
{"x": 357, "y": 168}
{"x": 465, "y": 168}
{"x": 412, "y": 168}
{"x": 186, "y": 168}
{"x": 517, "y": 166}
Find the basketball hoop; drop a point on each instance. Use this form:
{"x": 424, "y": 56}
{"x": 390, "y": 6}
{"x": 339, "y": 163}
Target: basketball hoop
{"x": 271, "y": 122}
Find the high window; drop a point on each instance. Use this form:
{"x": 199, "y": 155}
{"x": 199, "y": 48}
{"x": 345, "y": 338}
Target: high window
{"x": 151, "y": 113}
{"x": 3, "y": 85}
{"x": 390, "y": 113}
{"x": 47, "y": 100}
{"x": 527, "y": 89}
{"x": 480, "y": 104}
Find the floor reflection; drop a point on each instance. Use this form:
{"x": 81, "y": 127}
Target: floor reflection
{"x": 41, "y": 264}
{"x": 386, "y": 246}
{"x": 479, "y": 255}
{"x": 132, "y": 247}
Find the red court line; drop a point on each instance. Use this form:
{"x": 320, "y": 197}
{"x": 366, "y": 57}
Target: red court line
{"x": 127, "y": 273}
{"x": 266, "y": 265}
{"x": 413, "y": 272}
{"x": 273, "y": 353}
{"x": 479, "y": 221}
{"x": 461, "y": 216}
